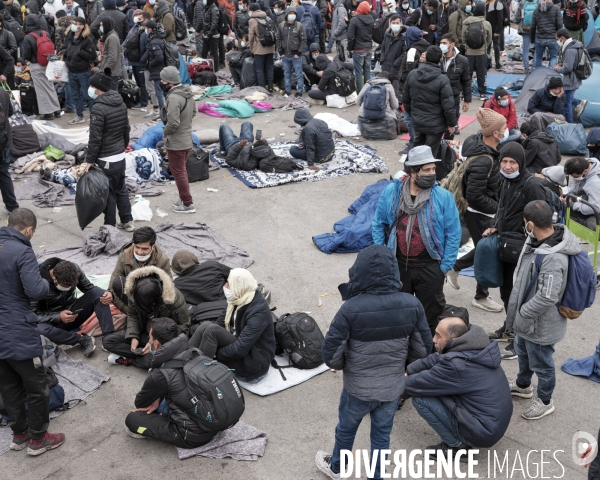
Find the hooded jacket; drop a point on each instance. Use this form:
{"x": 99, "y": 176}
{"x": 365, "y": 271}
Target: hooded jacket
{"x": 329, "y": 68}
{"x": 428, "y": 99}
{"x": 177, "y": 116}
{"x": 315, "y": 136}
{"x": 241, "y": 157}
{"x": 487, "y": 29}
{"x": 360, "y": 33}
{"x": 455, "y": 22}
{"x": 546, "y": 21}
{"x": 392, "y": 53}
{"x": 203, "y": 282}
{"x": 211, "y": 19}
{"x": 377, "y": 330}
{"x": 120, "y": 24}
{"x": 305, "y": 8}
{"x": 593, "y": 138}
{"x": 575, "y": 16}
{"x": 291, "y": 38}
{"x": 254, "y": 349}
{"x": 419, "y": 18}
{"x": 458, "y": 72}
{"x": 126, "y": 263}
{"x": 541, "y": 151}
{"x": 309, "y": 64}
{"x": 587, "y": 187}
{"x": 32, "y": 25}
{"x": 7, "y": 63}
{"x": 439, "y": 223}
{"x": 536, "y": 317}
{"x": 339, "y": 28}
{"x": 410, "y": 61}
{"x": 48, "y": 309}
{"x": 172, "y": 305}
{"x": 34, "y": 7}
{"x": 481, "y": 181}
{"x": 570, "y": 58}
{"x": 163, "y": 15}
{"x": 509, "y": 112}
{"x": 79, "y": 52}
{"x": 21, "y": 283}
{"x": 391, "y": 103}
{"x": 469, "y": 381}
{"x": 109, "y": 127}
{"x": 8, "y": 41}
{"x": 253, "y": 35}
{"x": 544, "y": 102}
{"x": 13, "y": 9}
{"x": 153, "y": 51}
{"x": 112, "y": 55}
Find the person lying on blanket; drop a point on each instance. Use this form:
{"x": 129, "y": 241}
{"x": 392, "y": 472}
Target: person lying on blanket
{"x": 154, "y": 416}
{"x": 315, "y": 144}
{"x": 243, "y": 337}
{"x": 60, "y": 314}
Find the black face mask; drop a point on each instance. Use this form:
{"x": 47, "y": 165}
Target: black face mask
{"x": 425, "y": 181}
{"x": 164, "y": 87}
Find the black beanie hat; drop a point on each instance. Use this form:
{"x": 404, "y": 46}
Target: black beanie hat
{"x": 555, "y": 82}
{"x": 102, "y": 81}
{"x": 500, "y": 92}
{"x": 514, "y": 150}
{"x": 254, "y": 7}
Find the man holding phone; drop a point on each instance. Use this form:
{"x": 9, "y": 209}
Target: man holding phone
{"x": 61, "y": 314}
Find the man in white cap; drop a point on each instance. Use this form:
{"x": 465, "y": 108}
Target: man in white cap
{"x": 418, "y": 220}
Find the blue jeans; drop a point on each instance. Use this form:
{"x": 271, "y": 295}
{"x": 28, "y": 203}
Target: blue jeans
{"x": 227, "y": 138}
{"x": 414, "y": 3}
{"x": 68, "y": 97}
{"x": 362, "y": 67}
{"x": 289, "y": 62}
{"x": 569, "y": 102}
{"x": 351, "y": 413}
{"x": 159, "y": 94}
{"x": 409, "y": 125}
{"x": 263, "y": 66}
{"x": 526, "y": 45}
{"x": 79, "y": 83}
{"x": 440, "y": 419}
{"x": 330, "y": 43}
{"x": 536, "y": 358}
{"x": 514, "y": 134}
{"x": 542, "y": 44}
{"x": 140, "y": 80}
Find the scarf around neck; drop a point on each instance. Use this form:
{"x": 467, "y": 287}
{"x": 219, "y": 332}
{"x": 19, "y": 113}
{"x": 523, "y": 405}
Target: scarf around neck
{"x": 411, "y": 208}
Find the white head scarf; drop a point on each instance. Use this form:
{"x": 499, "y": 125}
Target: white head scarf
{"x": 243, "y": 287}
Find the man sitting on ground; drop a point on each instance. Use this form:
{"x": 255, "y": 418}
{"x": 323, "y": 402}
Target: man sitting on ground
{"x": 541, "y": 150}
{"x": 151, "y": 294}
{"x": 315, "y": 143}
{"x": 549, "y": 99}
{"x": 313, "y": 64}
{"x": 461, "y": 390}
{"x": 141, "y": 252}
{"x": 199, "y": 282}
{"x": 60, "y": 314}
{"x": 176, "y": 427}
{"x": 386, "y": 118}
{"x": 585, "y": 178}
{"x": 327, "y": 84}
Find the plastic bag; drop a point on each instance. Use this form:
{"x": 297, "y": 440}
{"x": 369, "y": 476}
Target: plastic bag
{"x": 336, "y": 101}
{"x": 57, "y": 71}
{"x": 385, "y": 129}
{"x": 248, "y": 76}
{"x": 91, "y": 196}
{"x": 141, "y": 211}
{"x": 570, "y": 138}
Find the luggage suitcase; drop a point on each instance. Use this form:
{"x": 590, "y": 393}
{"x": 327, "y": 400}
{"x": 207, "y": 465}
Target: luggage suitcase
{"x": 28, "y": 99}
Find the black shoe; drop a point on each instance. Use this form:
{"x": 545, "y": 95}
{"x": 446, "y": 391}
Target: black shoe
{"x": 48, "y": 116}
{"x": 445, "y": 448}
{"x": 87, "y": 345}
{"x": 509, "y": 352}
{"x": 298, "y": 94}
{"x": 68, "y": 110}
{"x": 270, "y": 90}
{"x": 58, "y": 113}
{"x": 407, "y": 149}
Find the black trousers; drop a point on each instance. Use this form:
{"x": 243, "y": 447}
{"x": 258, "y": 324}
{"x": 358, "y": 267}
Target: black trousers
{"x": 6, "y": 185}
{"x": 117, "y": 343}
{"x": 212, "y": 44}
{"x": 447, "y": 135}
{"x": 478, "y": 64}
{"x": 221, "y": 51}
{"x": 496, "y": 46}
{"x": 426, "y": 282}
{"x": 209, "y": 337}
{"x": 161, "y": 428}
{"x": 236, "y": 73}
{"x": 20, "y": 380}
{"x": 507, "y": 285}
{"x": 476, "y": 224}
{"x": 432, "y": 140}
{"x": 318, "y": 94}
{"x": 118, "y": 196}
{"x": 64, "y": 333}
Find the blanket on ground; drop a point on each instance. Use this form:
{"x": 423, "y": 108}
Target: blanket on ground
{"x": 277, "y": 101}
{"x": 349, "y": 159}
{"x": 73, "y": 135}
{"x": 588, "y": 367}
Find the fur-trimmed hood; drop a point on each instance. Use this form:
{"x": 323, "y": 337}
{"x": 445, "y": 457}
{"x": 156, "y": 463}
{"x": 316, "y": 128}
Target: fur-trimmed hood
{"x": 168, "y": 291}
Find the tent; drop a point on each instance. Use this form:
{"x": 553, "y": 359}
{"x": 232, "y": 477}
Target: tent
{"x": 589, "y": 91}
{"x": 537, "y": 79}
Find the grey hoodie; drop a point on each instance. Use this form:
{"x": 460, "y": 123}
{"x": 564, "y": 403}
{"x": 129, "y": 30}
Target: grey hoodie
{"x": 536, "y": 318}
{"x": 391, "y": 103}
{"x": 570, "y": 58}
{"x": 339, "y": 29}
{"x": 588, "y": 186}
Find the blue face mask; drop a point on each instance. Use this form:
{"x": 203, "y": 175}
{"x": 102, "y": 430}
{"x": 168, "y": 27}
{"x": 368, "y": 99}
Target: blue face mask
{"x": 510, "y": 176}
{"x": 468, "y": 8}
{"x": 152, "y": 351}
{"x": 101, "y": 29}
{"x": 429, "y": 12}
{"x": 395, "y": 28}
{"x": 503, "y": 103}
{"x": 241, "y": 7}
{"x": 314, "y": 56}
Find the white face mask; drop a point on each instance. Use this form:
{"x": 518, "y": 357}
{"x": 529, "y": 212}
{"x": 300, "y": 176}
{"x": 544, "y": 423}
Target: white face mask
{"x": 74, "y": 28}
{"x": 292, "y": 18}
{"x": 527, "y": 232}
{"x": 504, "y": 136}
{"x": 61, "y": 288}
{"x": 143, "y": 258}
{"x": 92, "y": 92}
{"x": 135, "y": 20}
{"x": 229, "y": 295}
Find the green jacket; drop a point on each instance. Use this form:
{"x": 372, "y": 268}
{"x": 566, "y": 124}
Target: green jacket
{"x": 177, "y": 117}
{"x": 487, "y": 28}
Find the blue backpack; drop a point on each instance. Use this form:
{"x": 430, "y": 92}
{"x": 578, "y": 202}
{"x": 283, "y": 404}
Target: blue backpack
{"x": 489, "y": 270}
{"x": 375, "y": 102}
{"x": 308, "y": 24}
{"x": 528, "y": 10}
{"x": 580, "y": 291}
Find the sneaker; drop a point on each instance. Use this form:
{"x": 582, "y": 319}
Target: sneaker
{"x": 298, "y": 94}
{"x": 115, "y": 359}
{"x": 153, "y": 113}
{"x": 537, "y": 410}
{"x": 487, "y": 304}
{"x": 48, "y": 116}
{"x": 517, "y": 391}
{"x": 286, "y": 95}
{"x": 323, "y": 462}
{"x": 20, "y": 441}
{"x": 133, "y": 434}
{"x": 88, "y": 345}
{"x": 177, "y": 203}
{"x": 128, "y": 227}
{"x": 457, "y": 131}
{"x": 77, "y": 120}
{"x": 60, "y": 113}
{"x": 270, "y": 90}
{"x": 407, "y": 148}
{"x": 483, "y": 98}
{"x": 48, "y": 442}
{"x": 452, "y": 279}
{"x": 581, "y": 107}
{"x": 183, "y": 209}
{"x": 501, "y": 335}
{"x": 509, "y": 352}
{"x": 138, "y": 107}
{"x": 314, "y": 101}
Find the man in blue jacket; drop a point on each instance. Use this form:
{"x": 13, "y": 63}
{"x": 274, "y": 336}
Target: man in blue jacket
{"x": 372, "y": 337}
{"x": 22, "y": 374}
{"x": 461, "y": 390}
{"x": 418, "y": 220}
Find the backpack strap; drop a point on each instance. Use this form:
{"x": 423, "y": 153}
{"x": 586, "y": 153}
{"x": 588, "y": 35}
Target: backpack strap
{"x": 180, "y": 363}
{"x": 539, "y": 258}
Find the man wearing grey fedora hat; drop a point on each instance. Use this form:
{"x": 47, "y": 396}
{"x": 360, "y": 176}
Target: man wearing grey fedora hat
{"x": 418, "y": 220}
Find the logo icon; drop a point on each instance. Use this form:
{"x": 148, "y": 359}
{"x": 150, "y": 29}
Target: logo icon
{"x": 582, "y": 441}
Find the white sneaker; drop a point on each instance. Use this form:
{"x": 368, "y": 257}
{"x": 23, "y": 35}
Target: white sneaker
{"x": 538, "y": 410}
{"x": 517, "y": 391}
{"x": 488, "y": 305}
{"x": 452, "y": 278}
{"x": 128, "y": 227}
{"x": 323, "y": 462}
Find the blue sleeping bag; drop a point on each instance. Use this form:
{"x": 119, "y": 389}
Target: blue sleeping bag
{"x": 353, "y": 233}
{"x": 154, "y": 135}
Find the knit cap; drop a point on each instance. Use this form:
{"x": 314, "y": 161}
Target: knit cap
{"x": 102, "y": 81}
{"x": 490, "y": 121}
{"x": 182, "y": 260}
{"x": 170, "y": 75}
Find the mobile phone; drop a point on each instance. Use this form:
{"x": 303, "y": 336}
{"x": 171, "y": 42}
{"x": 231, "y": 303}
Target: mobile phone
{"x": 77, "y": 311}
{"x": 259, "y": 134}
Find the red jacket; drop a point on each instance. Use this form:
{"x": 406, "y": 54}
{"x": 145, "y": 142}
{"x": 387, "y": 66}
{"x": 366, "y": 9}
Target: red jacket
{"x": 509, "y": 112}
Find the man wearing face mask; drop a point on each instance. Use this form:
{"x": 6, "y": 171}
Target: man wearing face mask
{"x": 119, "y": 25}
{"x": 424, "y": 230}
{"x": 22, "y": 374}
{"x": 313, "y": 64}
{"x": 132, "y": 50}
{"x": 569, "y": 50}
{"x": 404, "y": 11}
{"x": 141, "y": 252}
{"x": 593, "y": 142}
{"x": 240, "y": 25}
{"x": 426, "y": 19}
{"x": 73, "y": 10}
{"x": 549, "y": 99}
{"x": 61, "y": 314}
{"x": 445, "y": 9}
{"x": 455, "y": 23}
{"x": 291, "y": 42}
{"x": 53, "y": 6}
{"x": 585, "y": 183}
{"x": 236, "y": 70}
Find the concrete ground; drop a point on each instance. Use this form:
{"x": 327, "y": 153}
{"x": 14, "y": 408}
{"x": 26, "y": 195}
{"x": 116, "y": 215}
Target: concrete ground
{"x": 275, "y": 226}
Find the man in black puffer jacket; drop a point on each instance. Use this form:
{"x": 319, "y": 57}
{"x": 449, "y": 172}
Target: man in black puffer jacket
{"x": 456, "y": 67}
{"x": 360, "y": 42}
{"x": 327, "y": 84}
{"x": 315, "y": 143}
{"x": 198, "y": 24}
{"x": 541, "y": 150}
{"x": 429, "y": 101}
{"x": 109, "y": 136}
{"x": 311, "y": 70}
{"x": 481, "y": 186}
{"x": 166, "y": 384}
{"x": 374, "y": 335}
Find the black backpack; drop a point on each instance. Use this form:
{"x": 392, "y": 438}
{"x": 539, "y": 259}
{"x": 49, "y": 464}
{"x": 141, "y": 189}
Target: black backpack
{"x": 207, "y": 311}
{"x": 448, "y": 158}
{"x": 344, "y": 81}
{"x": 274, "y": 164}
{"x": 171, "y": 55}
{"x": 217, "y": 401}
{"x": 379, "y": 28}
{"x": 181, "y": 31}
{"x": 16, "y": 30}
{"x": 197, "y": 164}
{"x": 224, "y": 21}
{"x": 584, "y": 68}
{"x": 267, "y": 34}
{"x": 375, "y": 102}
{"x": 475, "y": 36}
{"x": 132, "y": 47}
{"x": 299, "y": 335}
